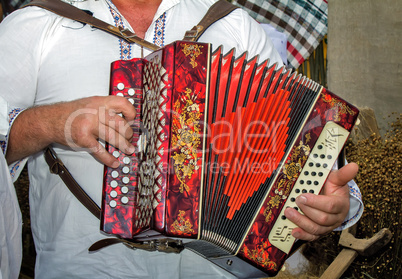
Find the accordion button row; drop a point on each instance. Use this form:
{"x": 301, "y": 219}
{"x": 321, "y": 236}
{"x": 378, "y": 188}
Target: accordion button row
{"x": 124, "y": 170}
{"x": 311, "y": 179}
{"x": 130, "y": 92}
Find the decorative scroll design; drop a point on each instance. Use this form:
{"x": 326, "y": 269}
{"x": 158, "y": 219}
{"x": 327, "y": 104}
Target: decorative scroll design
{"x": 291, "y": 171}
{"x": 186, "y": 138}
{"x": 192, "y": 51}
{"x": 182, "y": 225}
{"x": 340, "y": 108}
{"x": 260, "y": 256}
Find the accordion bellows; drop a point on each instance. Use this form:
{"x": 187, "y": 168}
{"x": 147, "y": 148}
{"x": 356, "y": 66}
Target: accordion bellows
{"x": 223, "y": 146}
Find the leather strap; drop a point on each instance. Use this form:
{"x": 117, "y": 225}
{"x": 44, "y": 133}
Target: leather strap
{"x": 56, "y": 166}
{"x": 217, "y": 11}
{"x": 66, "y": 10}
{"x": 165, "y": 245}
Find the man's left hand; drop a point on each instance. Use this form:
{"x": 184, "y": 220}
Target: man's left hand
{"x": 325, "y": 212}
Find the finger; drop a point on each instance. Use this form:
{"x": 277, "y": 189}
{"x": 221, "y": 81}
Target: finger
{"x": 333, "y": 219}
{"x": 332, "y": 204}
{"x": 101, "y": 154}
{"x": 298, "y": 233}
{"x": 117, "y": 123}
{"x": 116, "y": 139}
{"x": 344, "y": 175}
{"x": 307, "y": 229}
{"x": 121, "y": 105}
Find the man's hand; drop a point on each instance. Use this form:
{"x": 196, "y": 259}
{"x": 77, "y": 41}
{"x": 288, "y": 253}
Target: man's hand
{"x": 324, "y": 212}
{"x": 101, "y": 118}
{"x": 77, "y": 124}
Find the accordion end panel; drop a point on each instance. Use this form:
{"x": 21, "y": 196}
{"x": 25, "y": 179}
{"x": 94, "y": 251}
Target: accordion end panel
{"x": 189, "y": 85}
{"x": 269, "y": 240}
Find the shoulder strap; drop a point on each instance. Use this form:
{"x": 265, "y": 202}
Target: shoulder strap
{"x": 217, "y": 11}
{"x": 56, "y": 166}
{"x": 64, "y": 9}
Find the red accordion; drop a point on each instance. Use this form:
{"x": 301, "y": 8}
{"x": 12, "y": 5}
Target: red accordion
{"x": 223, "y": 146}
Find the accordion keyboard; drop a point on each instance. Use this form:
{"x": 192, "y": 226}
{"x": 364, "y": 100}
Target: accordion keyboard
{"x": 121, "y": 188}
{"x": 311, "y": 180}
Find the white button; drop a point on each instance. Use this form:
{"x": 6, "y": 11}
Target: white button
{"x": 131, "y": 92}
{"x": 124, "y": 189}
{"x": 126, "y": 160}
{"x": 116, "y": 154}
{"x": 120, "y": 86}
{"x": 124, "y": 200}
{"x": 115, "y": 174}
{"x": 126, "y": 170}
{"x": 131, "y": 101}
{"x": 113, "y": 184}
{"x": 120, "y": 94}
{"x": 113, "y": 194}
{"x": 113, "y": 203}
{"x": 126, "y": 180}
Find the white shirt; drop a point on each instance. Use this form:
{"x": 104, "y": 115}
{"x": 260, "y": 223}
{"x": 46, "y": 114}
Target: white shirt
{"x": 45, "y": 59}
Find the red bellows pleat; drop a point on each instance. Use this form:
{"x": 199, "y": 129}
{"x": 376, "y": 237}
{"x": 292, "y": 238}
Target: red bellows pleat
{"x": 247, "y": 136}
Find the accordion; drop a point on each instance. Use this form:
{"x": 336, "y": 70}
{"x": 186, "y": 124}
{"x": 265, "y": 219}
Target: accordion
{"x": 224, "y": 145}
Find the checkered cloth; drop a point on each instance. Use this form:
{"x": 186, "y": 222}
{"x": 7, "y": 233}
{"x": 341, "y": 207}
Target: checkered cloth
{"x": 303, "y": 21}
{"x": 11, "y": 5}
{"x": 18, "y": 3}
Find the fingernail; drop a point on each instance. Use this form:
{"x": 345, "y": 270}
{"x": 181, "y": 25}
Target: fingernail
{"x": 131, "y": 149}
{"x": 115, "y": 164}
{"x": 289, "y": 213}
{"x": 302, "y": 199}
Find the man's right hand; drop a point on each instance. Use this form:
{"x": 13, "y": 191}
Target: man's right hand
{"x": 77, "y": 124}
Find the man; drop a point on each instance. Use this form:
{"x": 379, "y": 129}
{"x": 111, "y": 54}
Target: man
{"x": 53, "y": 68}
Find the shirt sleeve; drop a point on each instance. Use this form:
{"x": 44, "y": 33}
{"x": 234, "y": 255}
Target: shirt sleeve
{"x": 21, "y": 37}
{"x": 7, "y": 116}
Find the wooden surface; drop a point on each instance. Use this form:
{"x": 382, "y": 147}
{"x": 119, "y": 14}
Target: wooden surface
{"x": 340, "y": 264}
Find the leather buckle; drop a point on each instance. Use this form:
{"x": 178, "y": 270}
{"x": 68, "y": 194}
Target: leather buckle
{"x": 193, "y": 33}
{"x": 55, "y": 165}
{"x": 54, "y": 168}
{"x": 126, "y": 33}
{"x": 165, "y": 245}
